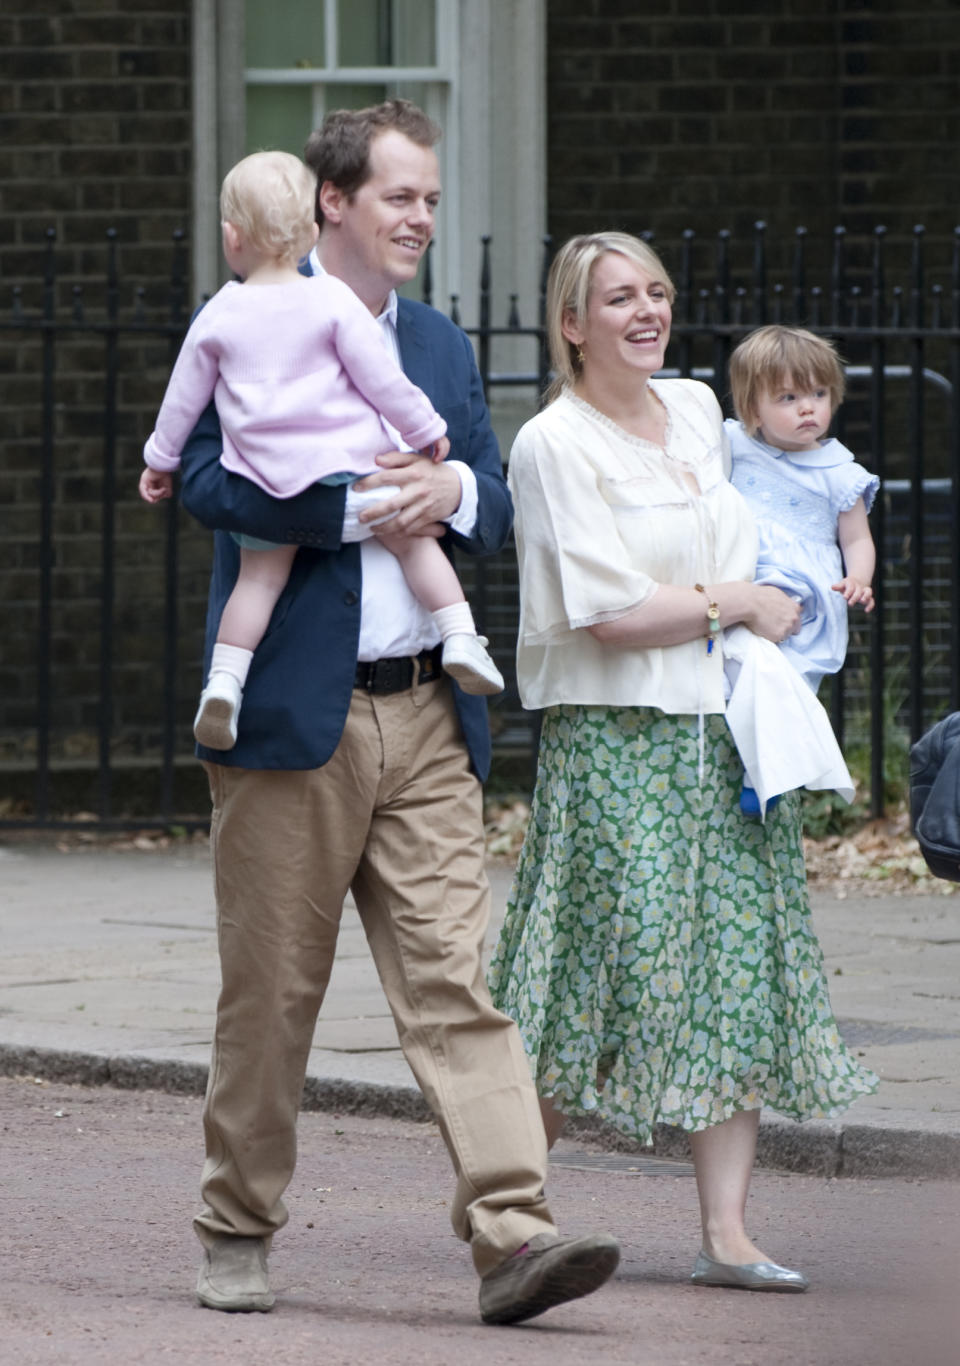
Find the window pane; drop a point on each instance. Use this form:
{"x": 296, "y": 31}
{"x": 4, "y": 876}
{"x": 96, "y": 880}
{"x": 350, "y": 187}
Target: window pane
{"x": 387, "y": 32}
{"x": 414, "y": 33}
{"x": 353, "y": 96}
{"x": 278, "y": 117}
{"x": 284, "y": 33}
{"x": 364, "y": 32}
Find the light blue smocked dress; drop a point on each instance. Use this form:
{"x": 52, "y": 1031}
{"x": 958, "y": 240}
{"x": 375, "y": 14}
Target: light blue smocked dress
{"x": 796, "y": 498}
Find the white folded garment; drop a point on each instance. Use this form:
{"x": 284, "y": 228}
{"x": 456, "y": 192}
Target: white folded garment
{"x": 781, "y": 731}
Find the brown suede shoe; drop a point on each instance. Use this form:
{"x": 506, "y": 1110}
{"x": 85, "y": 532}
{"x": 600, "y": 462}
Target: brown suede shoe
{"x": 548, "y": 1270}
{"x": 233, "y": 1276}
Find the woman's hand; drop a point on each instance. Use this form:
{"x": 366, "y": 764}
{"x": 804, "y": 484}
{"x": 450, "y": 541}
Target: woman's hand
{"x": 771, "y": 613}
{"x": 672, "y": 616}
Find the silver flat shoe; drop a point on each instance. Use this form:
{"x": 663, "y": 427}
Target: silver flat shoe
{"x": 750, "y": 1276}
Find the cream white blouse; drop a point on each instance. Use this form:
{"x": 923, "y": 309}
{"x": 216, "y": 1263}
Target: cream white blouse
{"x": 603, "y": 518}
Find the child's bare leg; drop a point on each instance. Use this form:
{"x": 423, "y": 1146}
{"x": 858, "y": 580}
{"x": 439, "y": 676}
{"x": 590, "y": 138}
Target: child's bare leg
{"x": 433, "y": 580}
{"x": 262, "y": 578}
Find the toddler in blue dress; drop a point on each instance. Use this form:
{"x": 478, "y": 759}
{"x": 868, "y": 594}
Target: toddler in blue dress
{"x": 809, "y": 497}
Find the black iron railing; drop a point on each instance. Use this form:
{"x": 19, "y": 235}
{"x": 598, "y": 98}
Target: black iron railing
{"x": 113, "y": 738}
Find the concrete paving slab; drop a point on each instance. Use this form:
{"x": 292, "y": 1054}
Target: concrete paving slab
{"x": 110, "y": 972}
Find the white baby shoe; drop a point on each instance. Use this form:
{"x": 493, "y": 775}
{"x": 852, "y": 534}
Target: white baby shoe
{"x": 465, "y": 658}
{"x": 215, "y": 724}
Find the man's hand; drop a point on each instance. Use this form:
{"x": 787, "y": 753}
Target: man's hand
{"x": 428, "y": 493}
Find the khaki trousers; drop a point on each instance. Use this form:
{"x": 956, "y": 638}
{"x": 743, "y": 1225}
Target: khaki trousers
{"x": 395, "y": 816}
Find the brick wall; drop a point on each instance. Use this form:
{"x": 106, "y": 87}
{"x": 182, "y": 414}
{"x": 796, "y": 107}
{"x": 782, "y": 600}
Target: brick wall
{"x": 662, "y": 115}
{"x": 674, "y": 114}
{"x": 95, "y": 135}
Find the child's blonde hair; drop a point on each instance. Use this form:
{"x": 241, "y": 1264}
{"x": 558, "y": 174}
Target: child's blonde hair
{"x": 767, "y": 358}
{"x": 270, "y": 197}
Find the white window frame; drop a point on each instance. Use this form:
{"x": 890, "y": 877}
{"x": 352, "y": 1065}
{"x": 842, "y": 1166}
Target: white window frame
{"x": 441, "y": 99}
{"x": 490, "y": 100}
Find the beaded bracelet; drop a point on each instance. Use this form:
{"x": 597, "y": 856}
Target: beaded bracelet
{"x": 713, "y": 618}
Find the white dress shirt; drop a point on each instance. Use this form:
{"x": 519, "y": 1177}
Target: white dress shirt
{"x": 392, "y": 620}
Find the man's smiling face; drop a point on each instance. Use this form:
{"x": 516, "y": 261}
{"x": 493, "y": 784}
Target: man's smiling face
{"x": 385, "y": 226}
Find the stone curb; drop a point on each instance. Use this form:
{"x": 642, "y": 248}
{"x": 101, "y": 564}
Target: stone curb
{"x": 816, "y": 1148}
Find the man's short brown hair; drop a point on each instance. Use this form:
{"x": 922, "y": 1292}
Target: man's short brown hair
{"x": 339, "y": 150}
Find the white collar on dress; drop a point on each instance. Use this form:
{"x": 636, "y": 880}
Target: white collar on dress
{"x": 825, "y": 457}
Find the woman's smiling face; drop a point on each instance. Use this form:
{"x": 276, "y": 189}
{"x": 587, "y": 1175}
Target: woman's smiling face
{"x": 627, "y": 322}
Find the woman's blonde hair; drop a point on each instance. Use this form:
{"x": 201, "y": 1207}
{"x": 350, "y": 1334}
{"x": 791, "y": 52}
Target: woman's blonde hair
{"x": 270, "y": 197}
{"x": 768, "y": 358}
{"x": 568, "y": 290}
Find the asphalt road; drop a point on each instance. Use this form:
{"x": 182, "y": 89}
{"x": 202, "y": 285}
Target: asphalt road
{"x": 98, "y": 1260}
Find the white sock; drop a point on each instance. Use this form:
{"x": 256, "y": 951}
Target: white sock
{"x": 231, "y": 659}
{"x": 455, "y": 620}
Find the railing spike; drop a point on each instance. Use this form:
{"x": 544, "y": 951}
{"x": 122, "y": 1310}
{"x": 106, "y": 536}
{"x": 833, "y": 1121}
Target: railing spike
{"x": 878, "y": 285}
{"x": 816, "y": 299}
{"x": 178, "y": 274}
{"x": 722, "y": 282}
{"x": 838, "y": 281}
{"x": 917, "y": 276}
{"x": 759, "y": 272}
{"x": 427, "y": 292}
{"x": 113, "y": 289}
{"x": 800, "y": 275}
{"x": 685, "y": 292}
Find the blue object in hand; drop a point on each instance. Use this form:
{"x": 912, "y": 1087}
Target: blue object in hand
{"x": 750, "y": 802}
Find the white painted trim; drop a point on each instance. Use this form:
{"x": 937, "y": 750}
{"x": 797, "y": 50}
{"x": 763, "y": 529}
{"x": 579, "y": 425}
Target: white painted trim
{"x": 206, "y": 213}
{"x": 489, "y": 96}
{"x": 502, "y": 122}
{"x": 342, "y": 75}
{"x": 218, "y": 125}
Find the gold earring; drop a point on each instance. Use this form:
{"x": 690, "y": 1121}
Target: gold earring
{"x": 579, "y": 355}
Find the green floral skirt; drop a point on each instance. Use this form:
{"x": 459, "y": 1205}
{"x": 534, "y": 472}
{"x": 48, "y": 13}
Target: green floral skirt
{"x": 657, "y": 951}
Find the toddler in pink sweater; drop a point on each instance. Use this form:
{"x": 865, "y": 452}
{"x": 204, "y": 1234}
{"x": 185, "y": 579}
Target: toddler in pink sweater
{"x": 301, "y": 379}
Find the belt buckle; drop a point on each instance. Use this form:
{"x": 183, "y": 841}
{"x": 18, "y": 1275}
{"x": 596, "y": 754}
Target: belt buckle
{"x": 429, "y": 666}
{"x": 388, "y": 675}
{"x": 376, "y": 676}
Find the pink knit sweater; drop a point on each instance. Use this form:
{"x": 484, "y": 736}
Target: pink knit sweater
{"x": 300, "y": 376}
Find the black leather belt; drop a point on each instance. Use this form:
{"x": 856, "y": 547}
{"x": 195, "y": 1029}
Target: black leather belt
{"x": 396, "y": 675}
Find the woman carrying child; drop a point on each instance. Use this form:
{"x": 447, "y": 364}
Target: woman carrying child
{"x": 657, "y": 950}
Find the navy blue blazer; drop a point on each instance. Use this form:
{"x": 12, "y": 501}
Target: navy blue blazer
{"x": 298, "y": 692}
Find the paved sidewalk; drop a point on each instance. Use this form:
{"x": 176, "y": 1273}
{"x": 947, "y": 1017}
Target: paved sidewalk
{"x": 109, "y": 974}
